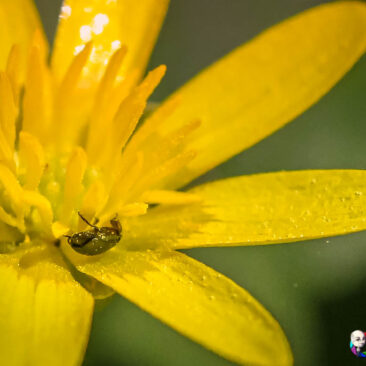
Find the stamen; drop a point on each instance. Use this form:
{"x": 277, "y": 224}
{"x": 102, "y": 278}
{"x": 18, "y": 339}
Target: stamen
{"x": 37, "y": 98}
{"x": 8, "y": 114}
{"x": 164, "y": 148}
{"x": 43, "y": 206}
{"x": 31, "y": 160}
{"x": 110, "y": 75}
{"x": 59, "y": 229}
{"x": 13, "y": 71}
{"x": 127, "y": 117}
{"x": 146, "y": 133}
{"x": 67, "y": 113}
{"x": 99, "y": 121}
{"x": 14, "y": 193}
{"x": 73, "y": 182}
{"x": 123, "y": 184}
{"x": 6, "y": 156}
{"x": 10, "y": 220}
{"x": 93, "y": 201}
{"x": 39, "y": 42}
{"x": 73, "y": 73}
{"x": 159, "y": 176}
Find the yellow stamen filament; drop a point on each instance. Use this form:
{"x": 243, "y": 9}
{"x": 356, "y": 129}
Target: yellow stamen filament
{"x": 14, "y": 193}
{"x": 39, "y": 42}
{"x": 100, "y": 109}
{"x": 10, "y": 220}
{"x": 13, "y": 70}
{"x": 36, "y": 104}
{"x": 109, "y": 77}
{"x": 93, "y": 201}
{"x": 170, "y": 146}
{"x": 8, "y": 114}
{"x": 73, "y": 182}
{"x": 68, "y": 93}
{"x": 31, "y": 156}
{"x": 73, "y": 73}
{"x": 6, "y": 156}
{"x": 120, "y": 91}
{"x": 59, "y": 229}
{"x": 127, "y": 117}
{"x": 7, "y": 109}
{"x": 144, "y": 135}
{"x": 123, "y": 184}
{"x": 160, "y": 175}
{"x": 43, "y": 206}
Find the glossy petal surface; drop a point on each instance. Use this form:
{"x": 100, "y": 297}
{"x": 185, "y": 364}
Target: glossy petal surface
{"x": 45, "y": 315}
{"x": 260, "y": 86}
{"x": 259, "y": 209}
{"x": 197, "y": 301}
{"x": 109, "y": 25}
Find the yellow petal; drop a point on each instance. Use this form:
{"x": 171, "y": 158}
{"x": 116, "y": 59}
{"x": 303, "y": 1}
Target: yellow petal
{"x": 259, "y": 209}
{"x": 262, "y": 85}
{"x": 18, "y": 21}
{"x": 133, "y": 209}
{"x": 109, "y": 24}
{"x": 170, "y": 197}
{"x": 197, "y": 301}
{"x": 45, "y": 315}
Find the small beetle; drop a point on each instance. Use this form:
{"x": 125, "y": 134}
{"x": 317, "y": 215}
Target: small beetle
{"x": 97, "y": 240}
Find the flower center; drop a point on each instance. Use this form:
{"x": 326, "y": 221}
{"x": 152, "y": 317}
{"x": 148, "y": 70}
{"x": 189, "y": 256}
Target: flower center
{"x": 66, "y": 149}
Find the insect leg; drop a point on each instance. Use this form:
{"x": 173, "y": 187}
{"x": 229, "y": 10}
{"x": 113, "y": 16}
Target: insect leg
{"x": 68, "y": 238}
{"x": 116, "y": 224}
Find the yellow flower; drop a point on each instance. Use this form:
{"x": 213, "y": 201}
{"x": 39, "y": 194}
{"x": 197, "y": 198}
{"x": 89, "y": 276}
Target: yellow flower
{"x": 63, "y": 128}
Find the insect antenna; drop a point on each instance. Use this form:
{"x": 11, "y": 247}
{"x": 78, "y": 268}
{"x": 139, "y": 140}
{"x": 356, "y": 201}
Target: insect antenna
{"x": 86, "y": 221}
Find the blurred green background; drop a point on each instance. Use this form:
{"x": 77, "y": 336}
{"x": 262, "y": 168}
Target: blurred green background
{"x": 316, "y": 289}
